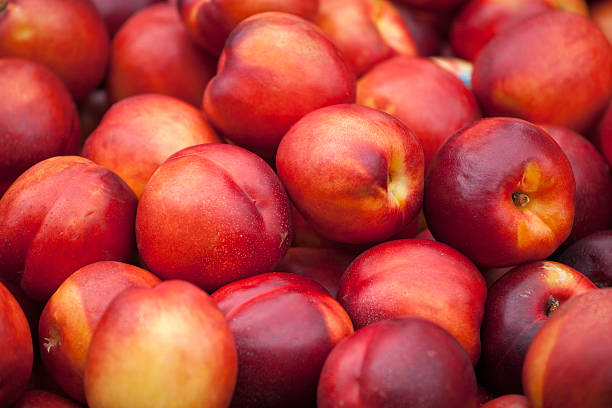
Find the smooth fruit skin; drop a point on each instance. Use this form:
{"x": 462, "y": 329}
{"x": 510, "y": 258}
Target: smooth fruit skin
{"x": 31, "y": 91}
{"x": 501, "y": 191}
{"x": 353, "y": 172}
{"x": 43, "y": 399}
{"x": 153, "y": 53}
{"x": 603, "y": 137}
{"x": 67, "y": 36}
{"x": 61, "y": 214}
{"x": 275, "y": 68}
{"x": 284, "y": 326}
{"x": 323, "y": 265}
{"x": 138, "y": 133}
{"x": 601, "y": 14}
{"x": 400, "y": 362}
{"x": 508, "y": 401}
{"x": 210, "y": 22}
{"x": 432, "y": 102}
{"x": 212, "y": 214}
{"x": 116, "y": 12}
{"x": 481, "y": 20}
{"x": 166, "y": 346}
{"x": 518, "y": 304}
{"x": 365, "y": 31}
{"x": 592, "y": 256}
{"x": 16, "y": 345}
{"x": 514, "y": 68}
{"x": 433, "y": 5}
{"x": 415, "y": 277}
{"x": 593, "y": 209}
{"x": 71, "y": 316}
{"x": 568, "y": 362}
{"x": 426, "y": 36}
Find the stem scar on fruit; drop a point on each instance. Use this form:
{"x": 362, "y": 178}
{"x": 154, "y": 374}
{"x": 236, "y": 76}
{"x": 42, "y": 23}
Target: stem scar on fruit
{"x": 520, "y": 199}
{"x": 3, "y": 6}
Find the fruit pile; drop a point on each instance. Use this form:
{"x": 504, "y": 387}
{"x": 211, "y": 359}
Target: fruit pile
{"x": 306, "y": 203}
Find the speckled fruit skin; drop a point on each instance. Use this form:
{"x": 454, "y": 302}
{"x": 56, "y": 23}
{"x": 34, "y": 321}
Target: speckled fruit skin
{"x": 593, "y": 209}
{"x": 138, "y": 133}
{"x": 501, "y": 191}
{"x": 16, "y": 345}
{"x": 212, "y": 214}
{"x": 592, "y": 256}
{"x": 61, "y": 214}
{"x": 518, "y": 304}
{"x": 153, "y": 53}
{"x": 323, "y": 265}
{"x": 481, "y": 20}
{"x": 568, "y": 363}
{"x": 284, "y": 326}
{"x": 116, "y": 12}
{"x": 210, "y": 22}
{"x": 415, "y": 277}
{"x": 514, "y": 68}
{"x": 169, "y": 344}
{"x": 29, "y": 90}
{"x": 274, "y": 69}
{"x": 43, "y": 399}
{"x": 67, "y": 36}
{"x": 365, "y": 31}
{"x": 432, "y": 102}
{"x": 71, "y": 315}
{"x": 401, "y": 362}
{"x": 353, "y": 172}
{"x": 508, "y": 401}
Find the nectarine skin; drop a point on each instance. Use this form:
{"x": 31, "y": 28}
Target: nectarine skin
{"x": 604, "y": 135}
{"x": 568, "y": 362}
{"x": 71, "y": 316}
{"x": 367, "y": 32}
{"x": 38, "y": 118}
{"x": 67, "y": 36}
{"x": 431, "y": 101}
{"x": 116, "y": 12}
{"x": 593, "y": 209}
{"x": 324, "y": 265}
{"x": 212, "y": 214}
{"x": 592, "y": 256}
{"x": 168, "y": 345}
{"x": 61, "y": 214}
{"x": 518, "y": 73}
{"x": 481, "y": 20}
{"x": 43, "y": 399}
{"x": 508, "y": 401}
{"x": 284, "y": 326}
{"x": 501, "y": 191}
{"x": 275, "y": 68}
{"x": 395, "y": 363}
{"x": 414, "y": 277}
{"x": 16, "y": 345}
{"x": 153, "y": 53}
{"x": 355, "y": 173}
{"x": 210, "y": 22}
{"x": 518, "y": 304}
{"x": 138, "y": 133}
